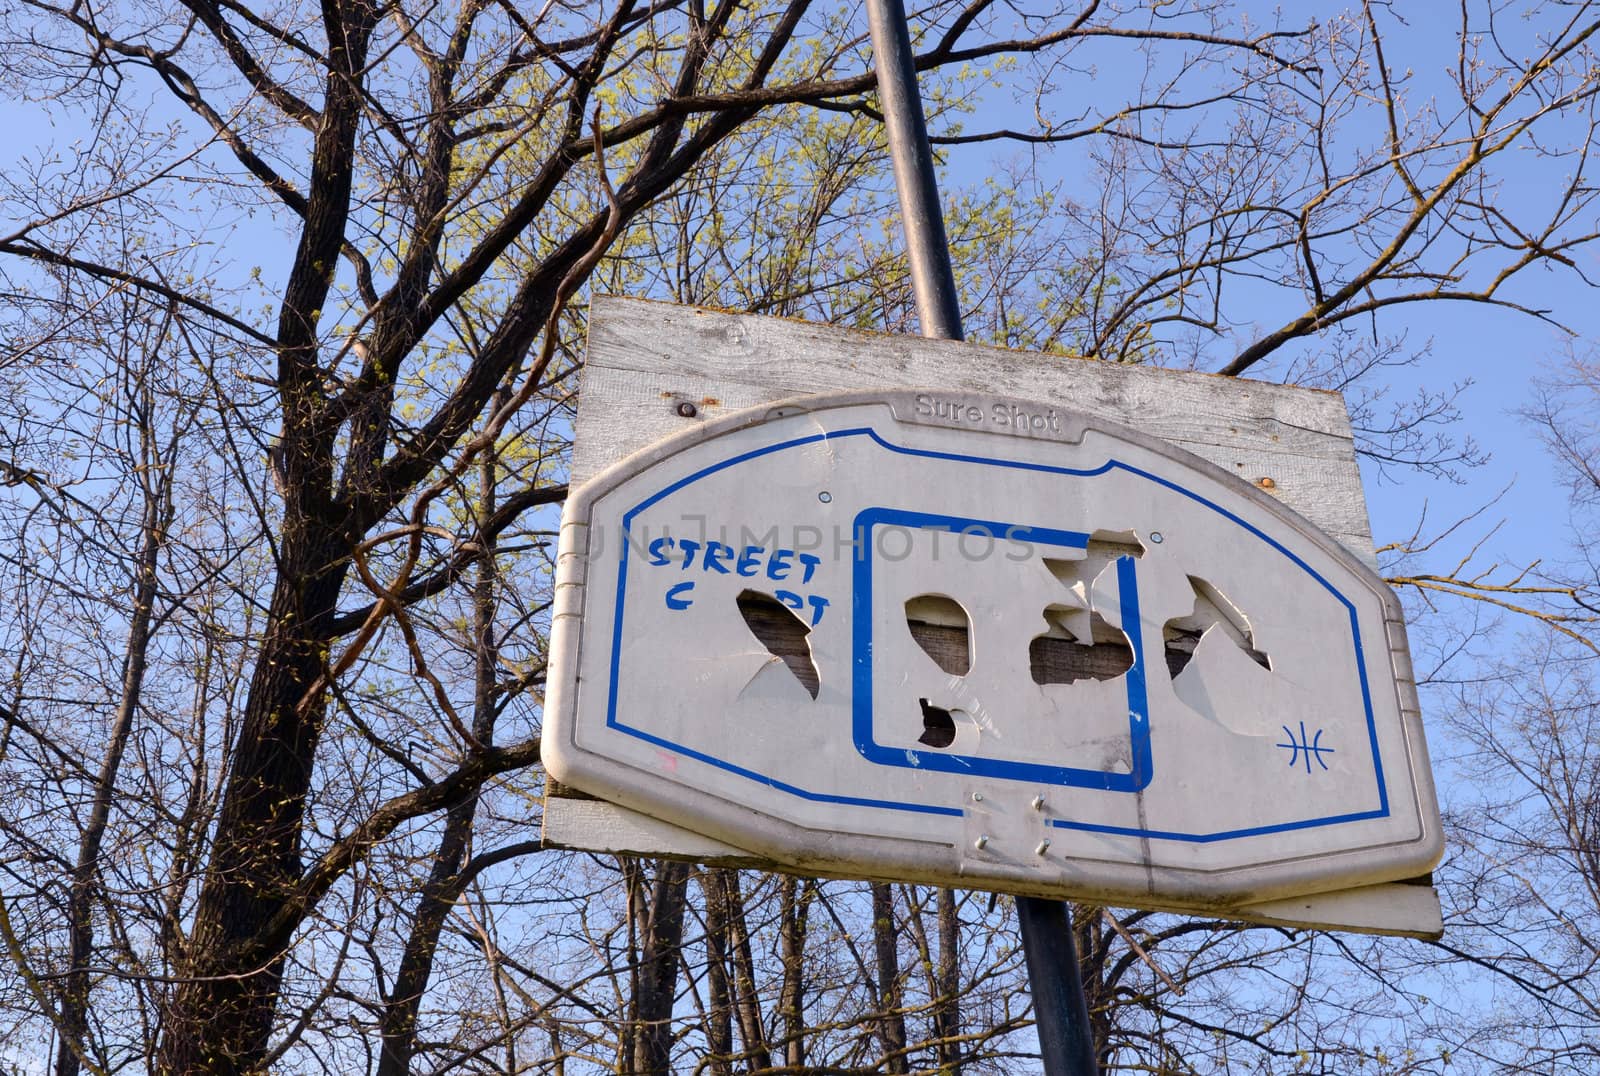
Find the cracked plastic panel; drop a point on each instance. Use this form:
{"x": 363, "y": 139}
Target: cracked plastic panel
{"x": 782, "y": 631}
{"x": 943, "y": 629}
{"x": 839, "y": 632}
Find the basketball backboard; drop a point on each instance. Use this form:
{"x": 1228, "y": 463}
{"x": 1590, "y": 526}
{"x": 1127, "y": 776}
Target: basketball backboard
{"x": 971, "y": 640}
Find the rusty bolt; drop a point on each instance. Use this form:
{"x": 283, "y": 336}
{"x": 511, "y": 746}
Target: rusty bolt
{"x": 687, "y": 409}
{"x": 1266, "y": 483}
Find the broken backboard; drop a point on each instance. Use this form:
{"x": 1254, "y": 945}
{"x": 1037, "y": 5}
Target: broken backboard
{"x": 987, "y": 642}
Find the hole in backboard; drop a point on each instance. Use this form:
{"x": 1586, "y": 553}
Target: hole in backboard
{"x": 938, "y": 726}
{"x": 1059, "y": 656}
{"x": 1114, "y": 544}
{"x": 1181, "y": 635}
{"x": 783, "y": 633}
{"x": 944, "y": 631}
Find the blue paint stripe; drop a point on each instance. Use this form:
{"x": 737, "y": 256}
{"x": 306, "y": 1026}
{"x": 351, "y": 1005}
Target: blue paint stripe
{"x": 1366, "y": 700}
{"x": 861, "y": 650}
{"x": 1227, "y": 835}
{"x": 868, "y": 518}
{"x": 1143, "y": 765}
{"x": 754, "y": 453}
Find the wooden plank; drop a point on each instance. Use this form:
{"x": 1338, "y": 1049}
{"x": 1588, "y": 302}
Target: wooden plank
{"x": 601, "y": 828}
{"x": 590, "y": 825}
{"x": 646, "y": 359}
{"x": 1400, "y": 909}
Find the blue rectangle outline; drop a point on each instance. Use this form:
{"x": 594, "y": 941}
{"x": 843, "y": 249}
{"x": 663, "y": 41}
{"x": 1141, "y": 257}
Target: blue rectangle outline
{"x": 1141, "y": 769}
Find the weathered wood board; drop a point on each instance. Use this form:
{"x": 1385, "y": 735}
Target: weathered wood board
{"x": 653, "y": 370}
{"x": 645, "y": 359}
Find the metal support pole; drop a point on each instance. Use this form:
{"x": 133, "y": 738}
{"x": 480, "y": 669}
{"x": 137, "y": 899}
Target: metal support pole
{"x": 927, "y": 250}
{"x": 1066, "y": 1043}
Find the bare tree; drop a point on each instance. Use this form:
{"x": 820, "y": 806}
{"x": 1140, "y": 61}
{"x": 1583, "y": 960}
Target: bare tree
{"x": 288, "y": 585}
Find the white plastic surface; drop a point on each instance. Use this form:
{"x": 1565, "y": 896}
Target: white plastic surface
{"x": 1285, "y": 758}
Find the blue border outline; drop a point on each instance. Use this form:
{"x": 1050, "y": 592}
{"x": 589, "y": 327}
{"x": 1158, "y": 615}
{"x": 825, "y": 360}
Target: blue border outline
{"x": 861, "y": 701}
{"x": 612, "y": 721}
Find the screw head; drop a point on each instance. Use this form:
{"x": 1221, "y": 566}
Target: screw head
{"x": 977, "y": 797}
{"x": 687, "y": 409}
{"x": 1038, "y": 803}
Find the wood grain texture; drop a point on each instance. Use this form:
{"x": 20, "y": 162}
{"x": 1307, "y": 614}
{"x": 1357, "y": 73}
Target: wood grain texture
{"x": 604, "y": 829}
{"x": 591, "y": 825}
{"x": 783, "y": 633}
{"x": 645, "y": 359}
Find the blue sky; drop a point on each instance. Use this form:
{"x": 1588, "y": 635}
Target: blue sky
{"x": 1499, "y": 351}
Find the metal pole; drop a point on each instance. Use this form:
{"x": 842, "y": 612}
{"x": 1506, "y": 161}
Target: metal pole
{"x": 927, "y": 250}
{"x": 1066, "y": 1043}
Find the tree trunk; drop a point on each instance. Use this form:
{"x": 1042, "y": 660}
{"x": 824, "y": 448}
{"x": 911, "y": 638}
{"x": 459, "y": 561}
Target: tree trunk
{"x": 746, "y": 1001}
{"x": 796, "y": 898}
{"x": 1093, "y": 940}
{"x": 660, "y": 943}
{"x": 219, "y": 1019}
{"x": 719, "y": 1015}
{"x": 947, "y": 1010}
{"x": 892, "y": 1021}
